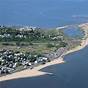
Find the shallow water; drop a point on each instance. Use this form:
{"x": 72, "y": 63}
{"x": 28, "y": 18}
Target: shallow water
{"x": 73, "y": 31}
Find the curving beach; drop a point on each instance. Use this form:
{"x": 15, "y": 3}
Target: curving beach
{"x": 35, "y": 72}
{"x": 31, "y": 73}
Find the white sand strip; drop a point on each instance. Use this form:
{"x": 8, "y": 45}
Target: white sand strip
{"x": 31, "y": 73}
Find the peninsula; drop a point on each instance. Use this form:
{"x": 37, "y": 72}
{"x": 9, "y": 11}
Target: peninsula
{"x": 26, "y": 50}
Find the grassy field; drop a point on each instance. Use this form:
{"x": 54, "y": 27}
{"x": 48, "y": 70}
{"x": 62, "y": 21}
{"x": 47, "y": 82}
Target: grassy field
{"x": 37, "y": 41}
{"x": 41, "y": 47}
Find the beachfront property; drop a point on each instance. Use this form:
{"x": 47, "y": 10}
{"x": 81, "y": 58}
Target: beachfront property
{"x": 11, "y": 60}
{"x": 28, "y": 47}
{"x": 14, "y": 61}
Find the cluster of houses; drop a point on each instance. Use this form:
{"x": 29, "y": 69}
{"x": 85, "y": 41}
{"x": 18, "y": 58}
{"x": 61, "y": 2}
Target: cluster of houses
{"x": 26, "y": 28}
{"x": 58, "y": 53}
{"x": 10, "y": 36}
{"x": 21, "y": 32}
{"x": 10, "y": 61}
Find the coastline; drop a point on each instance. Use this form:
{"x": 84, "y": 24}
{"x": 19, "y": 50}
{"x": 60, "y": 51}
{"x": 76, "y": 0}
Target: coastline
{"x": 35, "y": 71}
{"x": 83, "y": 44}
{"x": 31, "y": 72}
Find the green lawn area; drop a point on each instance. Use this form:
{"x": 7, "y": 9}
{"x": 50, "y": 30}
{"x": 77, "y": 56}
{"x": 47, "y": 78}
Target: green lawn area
{"x": 34, "y": 47}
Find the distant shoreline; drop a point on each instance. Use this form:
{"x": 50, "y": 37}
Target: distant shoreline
{"x": 35, "y": 71}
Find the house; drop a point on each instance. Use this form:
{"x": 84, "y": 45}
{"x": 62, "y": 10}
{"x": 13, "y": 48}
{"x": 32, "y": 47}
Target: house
{"x": 19, "y": 36}
{"x": 2, "y": 36}
{"x": 7, "y": 35}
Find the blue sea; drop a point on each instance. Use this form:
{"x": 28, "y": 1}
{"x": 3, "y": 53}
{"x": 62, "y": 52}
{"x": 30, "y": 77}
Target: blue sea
{"x": 43, "y": 13}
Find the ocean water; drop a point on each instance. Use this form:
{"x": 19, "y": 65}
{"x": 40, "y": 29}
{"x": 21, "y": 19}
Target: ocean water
{"x": 43, "y": 13}
{"x": 72, "y": 74}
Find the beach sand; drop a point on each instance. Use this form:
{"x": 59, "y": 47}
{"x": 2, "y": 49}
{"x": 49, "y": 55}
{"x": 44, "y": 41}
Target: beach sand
{"x": 31, "y": 72}
{"x": 35, "y": 72}
{"x": 83, "y": 44}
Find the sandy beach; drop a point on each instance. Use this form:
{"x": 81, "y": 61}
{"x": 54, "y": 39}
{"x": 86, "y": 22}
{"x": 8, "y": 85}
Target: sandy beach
{"x": 31, "y": 73}
{"x": 82, "y": 45}
{"x": 36, "y": 72}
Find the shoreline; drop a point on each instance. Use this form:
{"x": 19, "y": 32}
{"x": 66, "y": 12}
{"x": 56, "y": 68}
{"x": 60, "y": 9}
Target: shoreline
{"x": 35, "y": 71}
{"x": 83, "y": 44}
{"x": 31, "y": 72}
